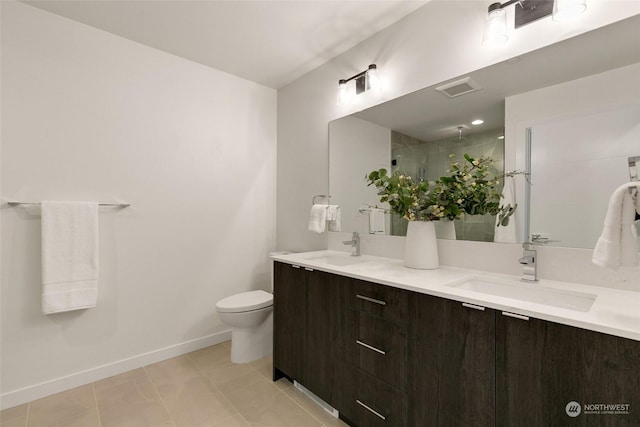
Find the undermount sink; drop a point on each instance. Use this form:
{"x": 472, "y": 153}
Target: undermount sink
{"x": 576, "y": 301}
{"x": 340, "y": 260}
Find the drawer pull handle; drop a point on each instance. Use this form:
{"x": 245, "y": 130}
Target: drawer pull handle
{"x": 370, "y": 347}
{"x": 373, "y": 300}
{"x": 475, "y": 307}
{"x": 308, "y": 269}
{"x": 295, "y": 266}
{"x": 371, "y": 410}
{"x": 515, "y": 316}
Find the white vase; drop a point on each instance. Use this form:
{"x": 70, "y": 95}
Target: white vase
{"x": 421, "y": 246}
{"x": 445, "y": 229}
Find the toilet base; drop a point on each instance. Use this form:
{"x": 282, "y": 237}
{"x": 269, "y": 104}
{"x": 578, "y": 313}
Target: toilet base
{"x": 250, "y": 344}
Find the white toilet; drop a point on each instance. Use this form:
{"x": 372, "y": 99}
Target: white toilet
{"x": 250, "y": 315}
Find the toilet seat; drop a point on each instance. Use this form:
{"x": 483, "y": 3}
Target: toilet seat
{"x": 245, "y": 301}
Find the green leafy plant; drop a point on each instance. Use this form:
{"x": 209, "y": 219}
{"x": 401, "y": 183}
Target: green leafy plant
{"x": 412, "y": 200}
{"x": 470, "y": 188}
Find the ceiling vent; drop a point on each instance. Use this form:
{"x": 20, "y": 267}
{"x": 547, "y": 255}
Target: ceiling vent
{"x": 459, "y": 87}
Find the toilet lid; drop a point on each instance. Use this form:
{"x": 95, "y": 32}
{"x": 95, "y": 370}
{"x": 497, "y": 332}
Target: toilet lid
{"x": 246, "y": 301}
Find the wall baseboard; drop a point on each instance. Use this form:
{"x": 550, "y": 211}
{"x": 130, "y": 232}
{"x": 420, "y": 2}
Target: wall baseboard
{"x": 38, "y": 391}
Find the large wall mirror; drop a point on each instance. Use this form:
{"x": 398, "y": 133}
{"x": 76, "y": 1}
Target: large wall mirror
{"x": 577, "y": 160}
{"x": 417, "y": 132}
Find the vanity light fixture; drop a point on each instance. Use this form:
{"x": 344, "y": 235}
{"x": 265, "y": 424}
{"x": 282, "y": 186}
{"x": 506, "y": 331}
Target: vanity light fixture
{"x": 477, "y": 122}
{"x": 526, "y": 11}
{"x": 366, "y": 80}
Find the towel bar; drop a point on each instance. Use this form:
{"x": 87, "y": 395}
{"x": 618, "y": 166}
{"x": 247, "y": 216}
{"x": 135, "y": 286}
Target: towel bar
{"x": 119, "y": 205}
{"x": 313, "y": 201}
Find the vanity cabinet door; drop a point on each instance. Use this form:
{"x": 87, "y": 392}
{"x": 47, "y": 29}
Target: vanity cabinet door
{"x": 542, "y": 367}
{"x": 451, "y": 363}
{"x": 308, "y": 344}
{"x": 289, "y": 319}
{"x": 324, "y": 335}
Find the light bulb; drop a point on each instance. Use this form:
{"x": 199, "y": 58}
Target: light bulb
{"x": 495, "y": 26}
{"x": 343, "y": 96}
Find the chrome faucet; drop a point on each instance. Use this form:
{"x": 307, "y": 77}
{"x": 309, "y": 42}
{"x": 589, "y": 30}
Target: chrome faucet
{"x": 355, "y": 242}
{"x": 529, "y": 263}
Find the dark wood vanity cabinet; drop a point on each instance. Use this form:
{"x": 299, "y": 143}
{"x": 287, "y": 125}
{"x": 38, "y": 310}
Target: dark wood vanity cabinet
{"x": 308, "y": 328}
{"x": 451, "y": 363}
{"x": 384, "y": 356}
{"x": 543, "y": 366}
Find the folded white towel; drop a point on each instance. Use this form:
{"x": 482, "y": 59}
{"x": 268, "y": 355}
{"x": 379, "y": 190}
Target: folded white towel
{"x": 507, "y": 233}
{"x": 376, "y": 221}
{"x": 618, "y": 245}
{"x": 333, "y": 218}
{"x": 318, "y": 218}
{"x": 69, "y": 256}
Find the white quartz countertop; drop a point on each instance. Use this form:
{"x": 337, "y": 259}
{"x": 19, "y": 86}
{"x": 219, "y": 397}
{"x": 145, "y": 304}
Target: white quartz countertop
{"x": 614, "y": 312}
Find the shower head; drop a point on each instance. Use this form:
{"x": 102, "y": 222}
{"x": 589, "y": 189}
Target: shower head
{"x": 460, "y": 137}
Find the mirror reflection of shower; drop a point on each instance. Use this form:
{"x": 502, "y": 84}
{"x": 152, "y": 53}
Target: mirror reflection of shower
{"x": 429, "y": 160}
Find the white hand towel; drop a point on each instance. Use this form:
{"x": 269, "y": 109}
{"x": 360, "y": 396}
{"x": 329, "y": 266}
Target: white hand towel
{"x": 376, "y": 221}
{"x": 617, "y": 245}
{"x": 318, "y": 218}
{"x": 507, "y": 233}
{"x": 69, "y": 256}
{"x": 333, "y": 218}
{"x": 629, "y": 237}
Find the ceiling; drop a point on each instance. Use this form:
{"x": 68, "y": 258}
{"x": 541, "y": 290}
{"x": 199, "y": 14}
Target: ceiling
{"x": 270, "y": 42}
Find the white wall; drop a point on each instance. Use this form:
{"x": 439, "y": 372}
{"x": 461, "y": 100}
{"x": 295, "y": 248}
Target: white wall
{"x": 439, "y": 41}
{"x": 87, "y": 115}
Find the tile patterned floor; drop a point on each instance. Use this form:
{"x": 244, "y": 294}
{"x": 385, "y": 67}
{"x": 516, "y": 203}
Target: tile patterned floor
{"x": 199, "y": 389}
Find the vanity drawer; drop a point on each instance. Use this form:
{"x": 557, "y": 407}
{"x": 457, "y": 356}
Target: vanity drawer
{"x": 378, "y": 300}
{"x": 377, "y": 346}
{"x": 368, "y": 402}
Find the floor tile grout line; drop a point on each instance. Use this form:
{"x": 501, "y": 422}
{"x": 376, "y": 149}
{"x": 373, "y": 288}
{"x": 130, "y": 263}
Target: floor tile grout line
{"x": 224, "y": 396}
{"x": 26, "y": 418}
{"x": 95, "y": 397}
{"x": 231, "y": 403}
{"x": 164, "y": 405}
